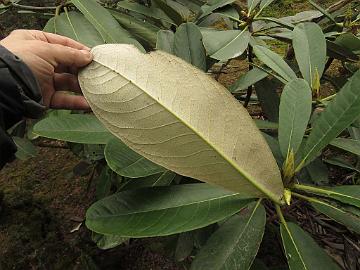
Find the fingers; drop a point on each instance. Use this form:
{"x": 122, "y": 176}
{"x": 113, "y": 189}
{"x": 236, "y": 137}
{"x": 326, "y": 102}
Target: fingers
{"x": 62, "y": 100}
{"x": 69, "y": 57}
{"x": 60, "y": 40}
{"x": 66, "y": 82}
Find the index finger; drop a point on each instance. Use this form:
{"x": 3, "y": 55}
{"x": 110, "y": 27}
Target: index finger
{"x": 61, "y": 40}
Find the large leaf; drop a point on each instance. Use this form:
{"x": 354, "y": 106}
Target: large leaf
{"x": 343, "y": 110}
{"x": 125, "y": 162}
{"x": 171, "y": 11}
{"x": 348, "y": 218}
{"x": 139, "y": 28}
{"x": 105, "y": 24}
{"x": 248, "y": 79}
{"x": 350, "y": 145}
{"x": 265, "y": 3}
{"x": 224, "y": 45}
{"x": 235, "y": 243}
{"x": 165, "y": 41}
{"x": 188, "y": 45}
{"x": 349, "y": 41}
{"x": 275, "y": 62}
{"x": 302, "y": 252}
{"x": 77, "y": 128}
{"x": 346, "y": 194}
{"x": 294, "y": 115}
{"x": 161, "y": 211}
{"x": 310, "y": 51}
{"x": 74, "y": 25}
{"x": 176, "y": 116}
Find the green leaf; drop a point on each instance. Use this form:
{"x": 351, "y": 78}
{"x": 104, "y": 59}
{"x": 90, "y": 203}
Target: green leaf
{"x": 159, "y": 105}
{"x": 74, "y": 25}
{"x": 139, "y": 28}
{"x": 323, "y": 11}
{"x": 343, "y": 110}
{"x": 349, "y": 41}
{"x": 103, "y": 184}
{"x": 265, "y": 3}
{"x": 269, "y": 99}
{"x": 235, "y": 243}
{"x": 165, "y": 41}
{"x": 77, "y": 128}
{"x": 350, "y": 145}
{"x": 339, "y": 52}
{"x": 264, "y": 124}
{"x": 224, "y": 45}
{"x": 105, "y": 24}
{"x": 25, "y": 149}
{"x": 170, "y": 11}
{"x": 310, "y": 50}
{"x": 247, "y": 80}
{"x": 341, "y": 162}
{"x": 104, "y": 241}
{"x": 184, "y": 246}
{"x": 157, "y": 180}
{"x": 151, "y": 11}
{"x": 318, "y": 172}
{"x": 213, "y": 5}
{"x": 160, "y": 211}
{"x": 275, "y": 148}
{"x": 294, "y": 115}
{"x": 339, "y": 214}
{"x": 252, "y": 4}
{"x": 349, "y": 194}
{"x": 302, "y": 252}
{"x": 125, "y": 162}
{"x": 188, "y": 45}
{"x": 275, "y": 62}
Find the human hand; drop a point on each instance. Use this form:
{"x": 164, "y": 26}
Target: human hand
{"x": 55, "y": 61}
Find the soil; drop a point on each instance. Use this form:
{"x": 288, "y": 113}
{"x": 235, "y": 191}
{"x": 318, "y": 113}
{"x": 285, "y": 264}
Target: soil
{"x": 43, "y": 204}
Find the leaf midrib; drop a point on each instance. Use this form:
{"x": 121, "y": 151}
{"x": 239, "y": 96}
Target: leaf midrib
{"x": 234, "y": 165}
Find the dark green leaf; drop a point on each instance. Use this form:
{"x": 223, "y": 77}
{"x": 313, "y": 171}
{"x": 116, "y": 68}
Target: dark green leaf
{"x": 341, "y": 215}
{"x": 103, "y": 184}
{"x": 275, "y": 148}
{"x": 339, "y": 52}
{"x": 151, "y": 11}
{"x": 350, "y": 145}
{"x": 184, "y": 246}
{"x": 349, "y": 41}
{"x": 165, "y": 41}
{"x": 188, "y": 45}
{"x": 343, "y": 110}
{"x": 125, "y": 162}
{"x": 265, "y": 3}
{"x": 318, "y": 172}
{"x": 77, "y": 128}
{"x": 139, "y": 28}
{"x": 294, "y": 115}
{"x": 248, "y": 79}
{"x": 340, "y": 162}
{"x": 264, "y": 124}
{"x": 170, "y": 11}
{"x": 323, "y": 11}
{"x": 269, "y": 99}
{"x": 252, "y": 4}
{"x": 105, "y": 24}
{"x": 275, "y": 62}
{"x": 161, "y": 211}
{"x": 107, "y": 241}
{"x": 235, "y": 244}
{"x": 25, "y": 149}
{"x": 302, "y": 252}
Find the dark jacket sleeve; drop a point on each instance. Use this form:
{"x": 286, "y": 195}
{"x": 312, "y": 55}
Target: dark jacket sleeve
{"x": 20, "y": 97}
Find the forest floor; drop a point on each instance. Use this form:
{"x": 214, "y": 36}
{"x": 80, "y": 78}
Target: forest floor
{"x": 43, "y": 201}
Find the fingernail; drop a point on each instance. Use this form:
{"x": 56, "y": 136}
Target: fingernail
{"x": 87, "y": 53}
